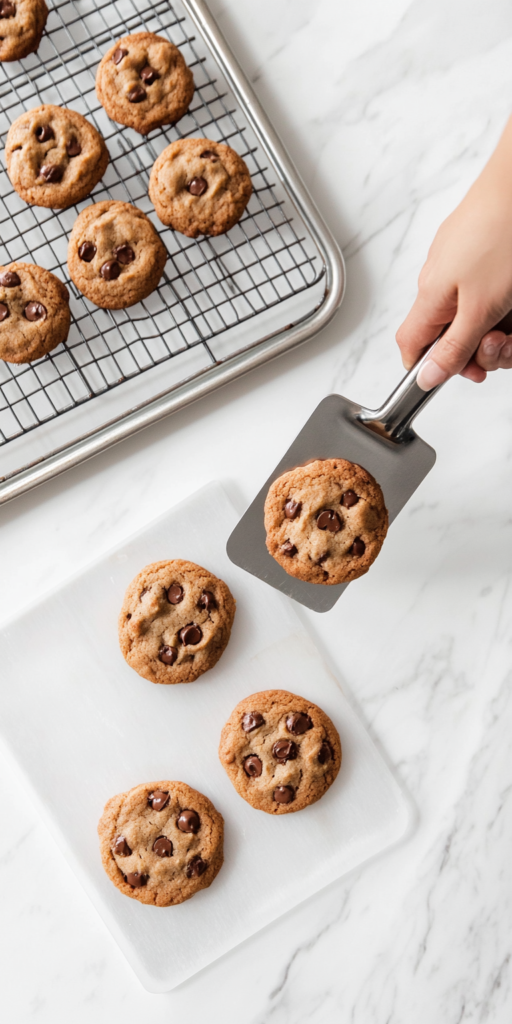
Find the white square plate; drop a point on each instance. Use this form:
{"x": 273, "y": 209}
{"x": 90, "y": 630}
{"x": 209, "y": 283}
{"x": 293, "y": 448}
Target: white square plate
{"x": 82, "y": 726}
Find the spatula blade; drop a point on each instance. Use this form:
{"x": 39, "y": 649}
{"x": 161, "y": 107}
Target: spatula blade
{"x": 333, "y": 431}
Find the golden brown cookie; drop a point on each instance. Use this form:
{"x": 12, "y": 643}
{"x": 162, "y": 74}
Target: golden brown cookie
{"x": 175, "y": 621}
{"x": 280, "y": 751}
{"x": 199, "y": 187}
{"x": 326, "y": 521}
{"x": 143, "y": 82}
{"x": 115, "y": 256}
{"x": 54, "y": 156}
{"x": 161, "y": 842}
{"x": 21, "y": 27}
{"x": 34, "y": 312}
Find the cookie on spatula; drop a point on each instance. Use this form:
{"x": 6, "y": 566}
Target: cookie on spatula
{"x": 326, "y": 521}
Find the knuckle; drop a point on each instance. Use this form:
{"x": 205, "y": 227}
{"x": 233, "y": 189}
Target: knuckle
{"x": 455, "y": 350}
{"x": 402, "y": 336}
{"x": 425, "y": 277}
{"x": 506, "y": 356}
{"x": 405, "y": 333}
{"x": 486, "y": 363}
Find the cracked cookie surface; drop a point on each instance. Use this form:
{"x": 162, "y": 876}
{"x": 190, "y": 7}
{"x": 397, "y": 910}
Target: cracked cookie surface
{"x": 175, "y": 621}
{"x": 115, "y": 256}
{"x": 34, "y": 312}
{"x": 21, "y": 27}
{"x": 54, "y": 156}
{"x": 281, "y": 751}
{"x": 199, "y": 187}
{"x": 326, "y": 521}
{"x": 143, "y": 82}
{"x": 161, "y": 842}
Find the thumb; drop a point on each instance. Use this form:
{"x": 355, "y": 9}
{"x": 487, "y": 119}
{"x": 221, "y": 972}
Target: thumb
{"x": 456, "y": 347}
{"x": 422, "y": 325}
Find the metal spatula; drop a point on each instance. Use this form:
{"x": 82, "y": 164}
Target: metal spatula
{"x": 382, "y": 441}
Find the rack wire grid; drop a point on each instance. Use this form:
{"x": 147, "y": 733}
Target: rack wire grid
{"x": 209, "y": 285}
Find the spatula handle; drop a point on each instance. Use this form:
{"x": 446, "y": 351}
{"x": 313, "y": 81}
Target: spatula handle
{"x": 394, "y": 418}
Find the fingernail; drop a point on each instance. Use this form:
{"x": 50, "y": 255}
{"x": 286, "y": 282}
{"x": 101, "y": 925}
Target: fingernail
{"x": 431, "y": 375}
{"x": 507, "y": 351}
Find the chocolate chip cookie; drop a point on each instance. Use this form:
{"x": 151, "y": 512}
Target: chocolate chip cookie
{"x": 161, "y": 842}
{"x": 115, "y": 256}
{"x": 199, "y": 187}
{"x": 175, "y": 621}
{"x": 144, "y": 82}
{"x": 325, "y": 522}
{"x": 54, "y": 156}
{"x": 34, "y": 312}
{"x": 21, "y": 27}
{"x": 280, "y": 751}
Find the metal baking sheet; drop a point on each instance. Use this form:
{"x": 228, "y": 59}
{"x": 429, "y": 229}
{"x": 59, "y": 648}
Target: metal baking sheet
{"x": 224, "y": 304}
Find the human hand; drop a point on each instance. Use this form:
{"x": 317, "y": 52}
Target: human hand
{"x": 466, "y": 282}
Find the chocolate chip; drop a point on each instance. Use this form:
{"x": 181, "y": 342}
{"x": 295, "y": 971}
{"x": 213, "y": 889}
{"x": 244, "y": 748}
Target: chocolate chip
{"x": 253, "y": 766}
{"x": 298, "y": 723}
{"x": 87, "y": 251}
{"x": 145, "y": 590}
{"x": 329, "y": 520}
{"x": 110, "y": 270}
{"x": 284, "y": 794}
{"x": 349, "y": 498}
{"x": 197, "y": 186}
{"x": 167, "y": 655}
{"x": 9, "y": 279}
{"x": 162, "y": 847}
{"x": 136, "y": 94}
{"x": 149, "y": 74}
{"x": 207, "y": 600}
{"x": 4, "y": 311}
{"x": 189, "y": 821}
{"x": 288, "y": 548}
{"x": 118, "y": 55}
{"x": 325, "y": 753}
{"x": 136, "y": 879}
{"x": 52, "y": 173}
{"x": 7, "y": 9}
{"x": 190, "y": 634}
{"x": 284, "y": 750}
{"x": 208, "y": 154}
{"x": 121, "y": 847}
{"x": 322, "y": 558}
{"x": 196, "y": 867}
{"x": 73, "y": 147}
{"x": 125, "y": 254}
{"x": 175, "y": 594}
{"x": 44, "y": 133}
{"x": 292, "y": 508}
{"x": 35, "y": 311}
{"x": 252, "y": 720}
{"x": 158, "y": 799}
{"x": 358, "y": 547}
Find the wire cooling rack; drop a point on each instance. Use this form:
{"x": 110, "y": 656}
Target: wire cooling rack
{"x": 210, "y": 286}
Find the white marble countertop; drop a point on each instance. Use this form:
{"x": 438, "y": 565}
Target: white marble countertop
{"x": 389, "y": 110}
